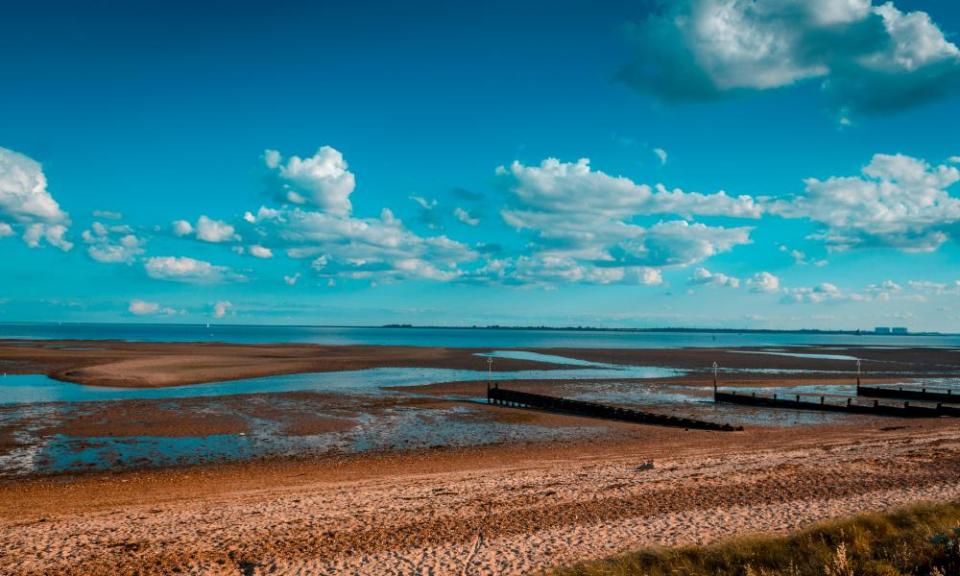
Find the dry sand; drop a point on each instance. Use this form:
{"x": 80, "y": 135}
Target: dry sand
{"x": 506, "y": 510}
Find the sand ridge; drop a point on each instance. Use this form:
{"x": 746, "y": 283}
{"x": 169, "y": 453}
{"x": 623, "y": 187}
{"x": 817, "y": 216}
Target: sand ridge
{"x": 153, "y": 364}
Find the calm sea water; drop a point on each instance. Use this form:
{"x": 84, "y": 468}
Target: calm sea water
{"x": 454, "y": 337}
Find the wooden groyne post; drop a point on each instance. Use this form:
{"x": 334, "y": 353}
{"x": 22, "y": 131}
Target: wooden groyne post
{"x": 517, "y": 399}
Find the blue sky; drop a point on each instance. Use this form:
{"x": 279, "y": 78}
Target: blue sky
{"x": 698, "y": 163}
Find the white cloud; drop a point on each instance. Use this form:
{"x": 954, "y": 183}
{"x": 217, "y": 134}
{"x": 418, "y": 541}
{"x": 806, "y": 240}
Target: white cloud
{"x": 821, "y": 293}
{"x": 702, "y": 276}
{"x": 575, "y": 188}
{"x": 465, "y": 217}
{"x": 884, "y": 291}
{"x": 215, "y": 231}
{"x": 139, "y": 307}
{"x": 206, "y": 230}
{"x": 587, "y": 216}
{"x": 548, "y": 271}
{"x": 143, "y": 308}
{"x": 189, "y": 270}
{"x": 322, "y": 180}
{"x": 871, "y": 58}
{"x": 222, "y": 308}
{"x": 661, "y": 155}
{"x": 107, "y": 215}
{"x": 359, "y": 248}
{"x": 292, "y": 279}
{"x": 764, "y": 282}
{"x": 258, "y": 251}
{"x": 112, "y": 245}
{"x": 898, "y": 201}
{"x": 935, "y": 288}
{"x": 5, "y": 230}
{"x": 680, "y": 243}
{"x": 25, "y": 201}
{"x": 272, "y": 158}
{"x": 800, "y": 257}
{"x": 427, "y": 214}
{"x": 53, "y": 234}
{"x": 424, "y": 203}
{"x": 182, "y": 228}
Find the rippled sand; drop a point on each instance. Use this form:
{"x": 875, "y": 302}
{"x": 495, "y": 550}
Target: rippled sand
{"x": 507, "y": 510}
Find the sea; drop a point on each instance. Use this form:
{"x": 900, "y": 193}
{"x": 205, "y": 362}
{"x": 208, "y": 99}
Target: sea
{"x": 498, "y": 338}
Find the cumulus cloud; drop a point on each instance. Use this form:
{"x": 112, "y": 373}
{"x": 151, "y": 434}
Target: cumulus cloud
{"x": 112, "y": 244}
{"x": 182, "y": 228}
{"x": 868, "y": 58}
{"x": 188, "y": 270}
{"x": 206, "y": 230}
{"x": 897, "y": 201}
{"x": 26, "y": 203}
{"x": 884, "y": 291}
{"x": 291, "y": 279}
{"x": 574, "y": 187}
{"x": 800, "y": 257}
{"x": 5, "y": 230}
{"x": 143, "y": 308}
{"x": 764, "y": 282}
{"x": 584, "y": 215}
{"x": 465, "y": 217}
{"x": 680, "y": 243}
{"x": 222, "y": 308}
{"x": 322, "y": 180}
{"x": 548, "y": 271}
{"x": 359, "y": 248}
{"x": 53, "y": 234}
{"x": 214, "y": 231}
{"x": 703, "y": 277}
{"x": 821, "y": 293}
{"x": 258, "y": 251}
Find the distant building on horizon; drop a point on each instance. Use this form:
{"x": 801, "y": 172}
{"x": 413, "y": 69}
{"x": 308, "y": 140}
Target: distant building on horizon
{"x": 899, "y": 330}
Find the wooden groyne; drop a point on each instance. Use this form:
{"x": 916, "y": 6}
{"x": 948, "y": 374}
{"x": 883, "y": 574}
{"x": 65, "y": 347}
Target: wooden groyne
{"x": 820, "y": 404}
{"x": 514, "y": 398}
{"x": 913, "y": 393}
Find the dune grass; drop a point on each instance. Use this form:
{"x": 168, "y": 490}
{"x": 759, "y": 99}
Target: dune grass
{"x": 916, "y": 541}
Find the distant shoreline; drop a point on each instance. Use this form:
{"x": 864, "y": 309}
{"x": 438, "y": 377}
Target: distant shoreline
{"x": 661, "y": 330}
{"x": 653, "y": 330}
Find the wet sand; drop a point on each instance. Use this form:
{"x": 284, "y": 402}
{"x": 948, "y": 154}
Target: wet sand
{"x": 154, "y": 365}
{"x": 146, "y": 364}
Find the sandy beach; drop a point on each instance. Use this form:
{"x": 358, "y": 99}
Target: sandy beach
{"x": 514, "y": 504}
{"x": 503, "y": 510}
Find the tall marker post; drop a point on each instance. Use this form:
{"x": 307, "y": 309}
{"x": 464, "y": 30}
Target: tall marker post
{"x": 715, "y": 369}
{"x": 489, "y": 375}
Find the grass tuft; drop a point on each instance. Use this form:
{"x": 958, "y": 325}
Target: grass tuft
{"x": 916, "y": 541}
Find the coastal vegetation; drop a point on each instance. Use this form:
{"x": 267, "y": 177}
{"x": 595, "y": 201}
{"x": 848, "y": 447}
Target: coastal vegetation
{"x": 918, "y": 541}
